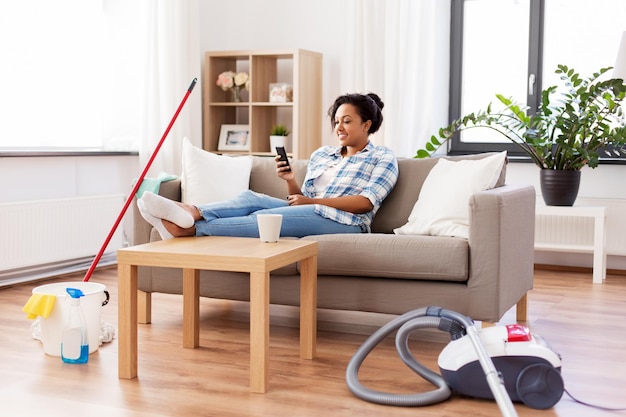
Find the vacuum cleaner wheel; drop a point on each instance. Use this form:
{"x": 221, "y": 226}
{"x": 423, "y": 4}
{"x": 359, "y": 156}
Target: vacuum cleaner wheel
{"x": 539, "y": 386}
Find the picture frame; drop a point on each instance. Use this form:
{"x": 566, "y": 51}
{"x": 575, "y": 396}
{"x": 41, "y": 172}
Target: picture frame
{"x": 234, "y": 138}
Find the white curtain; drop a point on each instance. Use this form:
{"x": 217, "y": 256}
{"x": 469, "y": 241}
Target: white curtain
{"x": 399, "y": 49}
{"x": 171, "y": 62}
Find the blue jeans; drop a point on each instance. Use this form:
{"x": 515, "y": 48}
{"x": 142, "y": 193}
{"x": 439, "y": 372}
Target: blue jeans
{"x": 237, "y": 217}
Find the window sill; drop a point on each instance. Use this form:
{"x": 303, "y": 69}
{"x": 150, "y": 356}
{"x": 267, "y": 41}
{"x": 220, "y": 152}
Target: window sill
{"x": 8, "y": 153}
{"x": 517, "y": 158}
{"x": 602, "y": 161}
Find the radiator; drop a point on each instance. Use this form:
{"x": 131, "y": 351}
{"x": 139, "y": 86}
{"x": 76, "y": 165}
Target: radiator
{"x": 578, "y": 231}
{"x": 35, "y": 233}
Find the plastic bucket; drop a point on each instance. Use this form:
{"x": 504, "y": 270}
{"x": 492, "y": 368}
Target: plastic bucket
{"x": 52, "y": 328}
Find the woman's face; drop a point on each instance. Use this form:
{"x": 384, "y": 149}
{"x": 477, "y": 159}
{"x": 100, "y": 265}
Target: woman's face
{"x": 351, "y": 130}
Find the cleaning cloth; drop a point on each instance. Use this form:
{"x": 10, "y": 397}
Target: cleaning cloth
{"x": 39, "y": 305}
{"x": 153, "y": 184}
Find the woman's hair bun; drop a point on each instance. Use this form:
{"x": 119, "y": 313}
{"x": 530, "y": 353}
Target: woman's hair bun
{"x": 377, "y": 100}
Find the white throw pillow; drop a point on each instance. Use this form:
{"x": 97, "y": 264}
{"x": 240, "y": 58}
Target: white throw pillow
{"x": 442, "y": 208}
{"x": 209, "y": 177}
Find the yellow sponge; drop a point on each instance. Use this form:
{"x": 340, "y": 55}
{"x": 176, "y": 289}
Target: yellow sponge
{"x": 39, "y": 305}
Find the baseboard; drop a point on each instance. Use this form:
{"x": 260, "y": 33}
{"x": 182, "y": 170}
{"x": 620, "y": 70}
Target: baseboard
{"x": 580, "y": 269}
{"x": 52, "y": 270}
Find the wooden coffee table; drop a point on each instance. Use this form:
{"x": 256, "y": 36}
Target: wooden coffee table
{"x": 219, "y": 254}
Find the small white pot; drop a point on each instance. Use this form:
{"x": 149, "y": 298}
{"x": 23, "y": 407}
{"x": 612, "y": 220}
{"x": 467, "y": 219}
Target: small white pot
{"x": 277, "y": 141}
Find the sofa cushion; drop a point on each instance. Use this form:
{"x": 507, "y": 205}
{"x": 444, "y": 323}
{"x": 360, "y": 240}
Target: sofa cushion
{"x": 396, "y": 208}
{"x": 393, "y": 256}
{"x": 442, "y": 207}
{"x": 263, "y": 178}
{"x": 208, "y": 177}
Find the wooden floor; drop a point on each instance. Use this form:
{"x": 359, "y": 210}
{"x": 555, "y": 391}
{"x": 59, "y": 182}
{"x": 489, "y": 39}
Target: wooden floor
{"x": 585, "y": 323}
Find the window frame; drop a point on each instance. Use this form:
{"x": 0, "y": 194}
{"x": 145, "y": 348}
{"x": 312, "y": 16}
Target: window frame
{"x": 535, "y": 62}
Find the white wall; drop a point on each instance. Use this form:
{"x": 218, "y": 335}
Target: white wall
{"x": 606, "y": 181}
{"x": 43, "y": 178}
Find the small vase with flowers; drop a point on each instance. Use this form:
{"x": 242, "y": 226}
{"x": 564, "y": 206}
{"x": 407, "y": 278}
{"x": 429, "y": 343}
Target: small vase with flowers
{"x": 235, "y": 82}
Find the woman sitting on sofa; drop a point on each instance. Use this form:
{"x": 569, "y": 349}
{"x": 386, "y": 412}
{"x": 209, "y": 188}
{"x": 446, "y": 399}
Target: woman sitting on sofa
{"x": 343, "y": 188}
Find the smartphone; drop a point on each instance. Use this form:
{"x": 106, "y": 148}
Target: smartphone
{"x": 280, "y": 150}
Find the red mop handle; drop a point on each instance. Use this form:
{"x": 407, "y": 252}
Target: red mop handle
{"x": 137, "y": 185}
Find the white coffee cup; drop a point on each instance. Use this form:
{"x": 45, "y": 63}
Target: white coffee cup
{"x": 269, "y": 226}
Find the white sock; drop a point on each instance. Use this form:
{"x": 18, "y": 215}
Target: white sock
{"x": 164, "y": 208}
{"x": 154, "y": 221}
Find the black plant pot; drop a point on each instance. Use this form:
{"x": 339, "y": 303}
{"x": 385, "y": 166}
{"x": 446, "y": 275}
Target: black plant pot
{"x": 559, "y": 187}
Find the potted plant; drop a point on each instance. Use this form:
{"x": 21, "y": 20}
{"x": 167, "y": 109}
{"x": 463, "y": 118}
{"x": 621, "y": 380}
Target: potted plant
{"x": 568, "y": 131}
{"x": 278, "y": 136}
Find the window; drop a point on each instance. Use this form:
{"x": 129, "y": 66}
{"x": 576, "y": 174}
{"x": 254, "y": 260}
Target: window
{"x": 57, "y": 78}
{"x": 512, "y": 47}
{"x": 48, "y": 90}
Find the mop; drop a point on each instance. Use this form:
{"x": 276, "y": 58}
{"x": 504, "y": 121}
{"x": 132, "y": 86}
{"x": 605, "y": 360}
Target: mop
{"x": 137, "y": 185}
{"x": 107, "y": 331}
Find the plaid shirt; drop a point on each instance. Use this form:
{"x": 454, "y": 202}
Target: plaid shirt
{"x": 371, "y": 173}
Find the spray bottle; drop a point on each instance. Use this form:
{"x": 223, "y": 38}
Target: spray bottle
{"x": 74, "y": 342}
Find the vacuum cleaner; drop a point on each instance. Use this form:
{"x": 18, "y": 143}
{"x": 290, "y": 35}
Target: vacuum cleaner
{"x": 505, "y": 363}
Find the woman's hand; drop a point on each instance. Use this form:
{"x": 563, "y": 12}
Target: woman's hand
{"x": 351, "y": 203}
{"x": 298, "y": 200}
{"x": 283, "y": 171}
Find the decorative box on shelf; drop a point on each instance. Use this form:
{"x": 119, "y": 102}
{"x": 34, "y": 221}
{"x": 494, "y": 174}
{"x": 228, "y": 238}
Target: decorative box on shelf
{"x": 281, "y": 93}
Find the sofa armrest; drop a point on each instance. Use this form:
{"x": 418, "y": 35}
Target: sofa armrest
{"x": 141, "y": 228}
{"x": 501, "y": 240}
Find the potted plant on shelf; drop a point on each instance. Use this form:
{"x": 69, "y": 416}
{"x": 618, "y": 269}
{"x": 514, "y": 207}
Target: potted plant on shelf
{"x": 567, "y": 132}
{"x": 278, "y": 136}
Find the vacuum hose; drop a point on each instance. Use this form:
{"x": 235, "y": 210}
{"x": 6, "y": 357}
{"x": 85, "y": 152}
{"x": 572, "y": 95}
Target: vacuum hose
{"x": 408, "y": 322}
{"x": 457, "y": 326}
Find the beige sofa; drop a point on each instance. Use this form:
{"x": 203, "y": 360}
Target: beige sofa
{"x": 482, "y": 276}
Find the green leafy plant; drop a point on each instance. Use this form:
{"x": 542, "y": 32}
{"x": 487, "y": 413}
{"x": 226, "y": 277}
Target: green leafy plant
{"x": 568, "y": 131}
{"x": 279, "y": 130}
